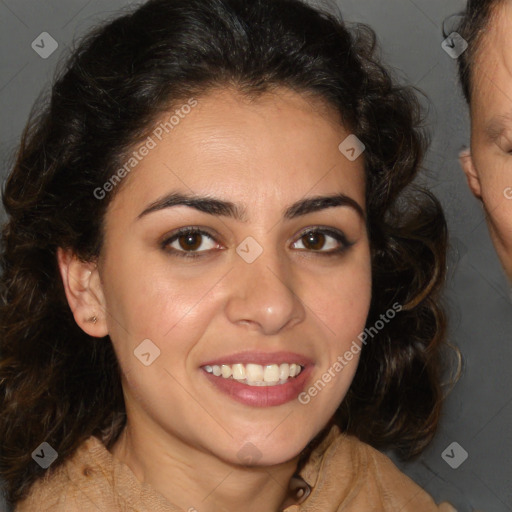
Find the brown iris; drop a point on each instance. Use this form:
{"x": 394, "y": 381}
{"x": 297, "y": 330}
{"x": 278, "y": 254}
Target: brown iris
{"x": 314, "y": 240}
{"x": 190, "y": 241}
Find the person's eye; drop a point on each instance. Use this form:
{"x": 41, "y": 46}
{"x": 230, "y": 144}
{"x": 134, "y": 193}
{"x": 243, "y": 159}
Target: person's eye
{"x": 504, "y": 142}
{"x": 189, "y": 243}
{"x": 327, "y": 242}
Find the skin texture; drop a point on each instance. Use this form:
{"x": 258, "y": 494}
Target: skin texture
{"x": 488, "y": 165}
{"x": 183, "y": 435}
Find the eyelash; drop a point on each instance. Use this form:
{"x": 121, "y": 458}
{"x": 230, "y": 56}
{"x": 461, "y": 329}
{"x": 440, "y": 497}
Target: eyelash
{"x": 338, "y": 236}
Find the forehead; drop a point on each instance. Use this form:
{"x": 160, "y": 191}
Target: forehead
{"x": 277, "y": 146}
{"x": 493, "y": 54}
{"x": 491, "y": 84}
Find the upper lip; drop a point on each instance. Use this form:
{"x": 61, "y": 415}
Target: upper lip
{"x": 262, "y": 358}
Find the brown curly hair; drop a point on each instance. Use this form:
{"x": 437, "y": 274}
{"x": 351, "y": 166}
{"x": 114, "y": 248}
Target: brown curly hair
{"x": 59, "y": 385}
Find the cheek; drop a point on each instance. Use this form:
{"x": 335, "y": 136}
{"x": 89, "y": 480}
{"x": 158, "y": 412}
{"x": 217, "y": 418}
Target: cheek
{"x": 342, "y": 305}
{"x": 499, "y": 210}
{"x": 343, "y": 298}
{"x": 495, "y": 173}
{"x": 152, "y": 297}
{"x": 342, "y": 314}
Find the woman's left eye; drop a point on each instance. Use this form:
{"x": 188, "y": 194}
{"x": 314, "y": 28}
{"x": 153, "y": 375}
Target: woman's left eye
{"x": 317, "y": 239}
{"x": 190, "y": 242}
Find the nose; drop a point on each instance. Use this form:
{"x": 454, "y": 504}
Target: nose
{"x": 263, "y": 294}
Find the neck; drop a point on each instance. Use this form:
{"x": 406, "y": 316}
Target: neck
{"x": 192, "y": 479}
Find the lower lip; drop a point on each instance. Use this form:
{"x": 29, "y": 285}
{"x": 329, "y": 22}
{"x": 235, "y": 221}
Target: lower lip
{"x": 261, "y": 396}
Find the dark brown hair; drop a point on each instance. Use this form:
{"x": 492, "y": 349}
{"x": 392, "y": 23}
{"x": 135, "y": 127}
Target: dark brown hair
{"x": 58, "y": 384}
{"x": 472, "y": 25}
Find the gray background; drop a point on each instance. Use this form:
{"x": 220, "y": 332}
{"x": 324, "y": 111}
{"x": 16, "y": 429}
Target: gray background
{"x": 478, "y": 413}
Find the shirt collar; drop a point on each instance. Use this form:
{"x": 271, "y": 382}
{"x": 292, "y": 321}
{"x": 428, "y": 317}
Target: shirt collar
{"x": 299, "y": 489}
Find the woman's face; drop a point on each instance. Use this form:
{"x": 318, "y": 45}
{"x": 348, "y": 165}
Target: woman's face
{"x": 254, "y": 290}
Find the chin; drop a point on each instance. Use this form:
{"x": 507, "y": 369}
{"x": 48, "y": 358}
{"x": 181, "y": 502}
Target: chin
{"x": 262, "y": 453}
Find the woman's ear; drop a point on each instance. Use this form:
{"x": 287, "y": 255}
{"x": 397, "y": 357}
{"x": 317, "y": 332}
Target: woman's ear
{"x": 84, "y": 292}
{"x": 467, "y": 164}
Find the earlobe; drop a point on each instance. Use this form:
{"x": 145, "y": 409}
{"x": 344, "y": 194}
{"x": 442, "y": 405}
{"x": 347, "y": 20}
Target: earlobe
{"x": 84, "y": 292}
{"x": 467, "y": 164}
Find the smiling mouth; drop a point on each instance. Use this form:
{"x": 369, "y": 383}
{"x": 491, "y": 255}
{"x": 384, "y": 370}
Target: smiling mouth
{"x": 256, "y": 374}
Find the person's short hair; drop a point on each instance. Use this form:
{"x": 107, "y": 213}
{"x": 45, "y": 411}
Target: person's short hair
{"x": 60, "y": 385}
{"x": 471, "y": 27}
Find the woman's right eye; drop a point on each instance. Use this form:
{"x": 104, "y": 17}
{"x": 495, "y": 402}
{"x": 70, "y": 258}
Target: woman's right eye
{"x": 188, "y": 243}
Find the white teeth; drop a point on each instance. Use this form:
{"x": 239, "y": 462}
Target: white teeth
{"x": 271, "y": 373}
{"x": 294, "y": 370}
{"x": 226, "y": 371}
{"x": 238, "y": 371}
{"x": 256, "y": 374}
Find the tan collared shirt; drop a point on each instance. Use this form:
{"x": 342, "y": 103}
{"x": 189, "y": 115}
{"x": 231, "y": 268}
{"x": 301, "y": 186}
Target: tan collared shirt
{"x": 341, "y": 474}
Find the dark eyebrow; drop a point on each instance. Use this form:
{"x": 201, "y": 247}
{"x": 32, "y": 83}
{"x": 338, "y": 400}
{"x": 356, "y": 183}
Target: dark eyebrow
{"x": 222, "y": 208}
